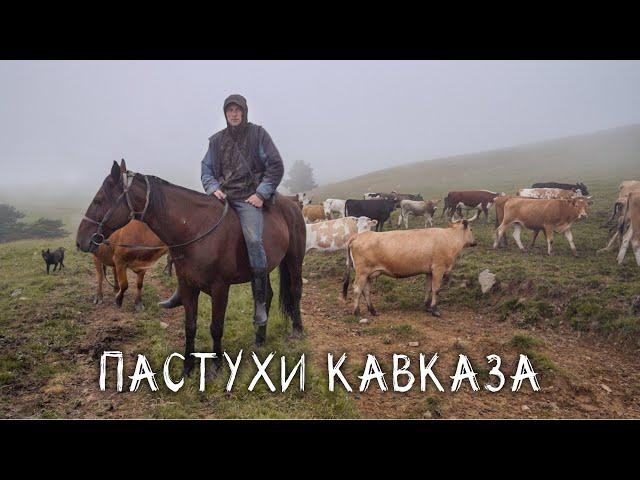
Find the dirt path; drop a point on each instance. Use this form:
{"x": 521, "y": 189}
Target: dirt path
{"x": 76, "y": 393}
{"x": 592, "y": 379}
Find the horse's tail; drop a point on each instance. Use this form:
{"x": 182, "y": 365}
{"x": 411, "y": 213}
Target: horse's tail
{"x": 289, "y": 300}
{"x": 347, "y": 274}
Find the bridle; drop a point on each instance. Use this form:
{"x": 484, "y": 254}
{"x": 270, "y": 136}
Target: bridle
{"x": 127, "y": 180}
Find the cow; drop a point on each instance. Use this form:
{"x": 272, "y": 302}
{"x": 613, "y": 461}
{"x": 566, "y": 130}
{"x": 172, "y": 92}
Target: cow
{"x": 550, "y": 216}
{"x": 625, "y": 188}
{"x": 332, "y": 235}
{"x": 370, "y": 195}
{"x": 122, "y": 258}
{"x": 405, "y": 253}
{"x": 55, "y": 258}
{"x": 398, "y": 197}
{"x": 299, "y": 198}
{"x": 564, "y": 186}
{"x": 313, "y": 213}
{"x": 478, "y": 199}
{"x": 376, "y": 209}
{"x": 631, "y": 219}
{"x": 549, "y": 193}
{"x": 417, "y": 208}
{"x": 333, "y": 205}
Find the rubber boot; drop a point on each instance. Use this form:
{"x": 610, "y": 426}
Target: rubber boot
{"x": 259, "y": 289}
{"x": 172, "y": 302}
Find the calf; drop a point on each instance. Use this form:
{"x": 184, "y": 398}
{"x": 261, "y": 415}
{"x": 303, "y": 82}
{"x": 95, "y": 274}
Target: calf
{"x": 376, "y": 209}
{"x": 405, "y": 253}
{"x": 632, "y": 219}
{"x": 549, "y": 193}
{"x": 122, "y": 258}
{"x": 333, "y": 205}
{"x": 370, "y": 195}
{"x": 547, "y": 215}
{"x": 417, "y": 208}
{"x": 564, "y": 186}
{"x": 332, "y": 235}
{"x": 313, "y": 213}
{"x": 55, "y": 258}
{"x": 473, "y": 199}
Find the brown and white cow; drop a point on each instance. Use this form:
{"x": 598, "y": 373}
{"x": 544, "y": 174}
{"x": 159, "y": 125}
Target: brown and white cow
{"x": 333, "y": 235}
{"x": 417, "y": 208}
{"x": 405, "y": 253}
{"x": 313, "y": 213}
{"x": 632, "y": 220}
{"x": 472, "y": 199}
{"x": 549, "y": 216}
{"x": 549, "y": 193}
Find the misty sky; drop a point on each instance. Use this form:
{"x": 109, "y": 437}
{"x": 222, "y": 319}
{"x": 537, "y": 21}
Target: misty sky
{"x": 64, "y": 122}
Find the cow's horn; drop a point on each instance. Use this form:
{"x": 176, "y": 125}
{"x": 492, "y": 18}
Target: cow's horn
{"x": 474, "y": 217}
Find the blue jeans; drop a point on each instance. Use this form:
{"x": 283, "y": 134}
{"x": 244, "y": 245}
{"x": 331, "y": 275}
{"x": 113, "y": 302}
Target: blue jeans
{"x": 252, "y": 222}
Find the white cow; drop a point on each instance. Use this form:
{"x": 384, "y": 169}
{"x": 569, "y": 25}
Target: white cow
{"x": 549, "y": 193}
{"x": 333, "y": 205}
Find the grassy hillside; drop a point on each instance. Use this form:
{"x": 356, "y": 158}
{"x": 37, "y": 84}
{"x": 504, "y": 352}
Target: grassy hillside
{"x": 609, "y": 155}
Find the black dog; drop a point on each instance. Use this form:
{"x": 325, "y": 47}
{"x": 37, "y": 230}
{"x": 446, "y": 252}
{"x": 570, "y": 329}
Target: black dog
{"x": 53, "y": 258}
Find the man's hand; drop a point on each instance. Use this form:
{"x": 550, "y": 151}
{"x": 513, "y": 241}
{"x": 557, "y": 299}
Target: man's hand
{"x": 255, "y": 200}
{"x": 220, "y": 194}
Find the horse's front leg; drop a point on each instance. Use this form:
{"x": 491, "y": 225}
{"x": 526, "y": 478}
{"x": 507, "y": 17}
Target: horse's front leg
{"x": 219, "y": 298}
{"x": 189, "y": 297}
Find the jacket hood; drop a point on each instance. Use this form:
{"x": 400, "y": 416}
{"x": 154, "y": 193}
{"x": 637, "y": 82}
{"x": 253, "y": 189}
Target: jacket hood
{"x": 242, "y": 103}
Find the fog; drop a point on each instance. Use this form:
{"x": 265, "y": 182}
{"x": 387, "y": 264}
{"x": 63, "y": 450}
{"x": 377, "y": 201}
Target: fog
{"x": 63, "y": 122}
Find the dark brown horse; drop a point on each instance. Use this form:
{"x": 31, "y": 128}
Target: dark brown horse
{"x": 206, "y": 244}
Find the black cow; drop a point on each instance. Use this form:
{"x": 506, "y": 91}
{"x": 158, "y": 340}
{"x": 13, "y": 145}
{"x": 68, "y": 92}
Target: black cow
{"x": 565, "y": 186}
{"x": 375, "y": 209}
{"x": 55, "y": 258}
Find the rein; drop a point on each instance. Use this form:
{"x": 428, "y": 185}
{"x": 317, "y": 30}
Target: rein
{"x": 127, "y": 180}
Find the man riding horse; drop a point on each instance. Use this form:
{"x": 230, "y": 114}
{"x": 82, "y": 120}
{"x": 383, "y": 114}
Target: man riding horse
{"x": 243, "y": 166}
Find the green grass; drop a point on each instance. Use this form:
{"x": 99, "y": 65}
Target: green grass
{"x": 43, "y": 332}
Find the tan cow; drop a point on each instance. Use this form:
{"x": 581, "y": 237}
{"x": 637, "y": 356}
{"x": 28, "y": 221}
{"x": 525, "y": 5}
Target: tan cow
{"x": 626, "y": 187}
{"x": 333, "y": 235}
{"x": 632, "y": 220}
{"x": 313, "y": 213}
{"x": 123, "y": 258}
{"x": 405, "y": 253}
{"x": 547, "y": 215}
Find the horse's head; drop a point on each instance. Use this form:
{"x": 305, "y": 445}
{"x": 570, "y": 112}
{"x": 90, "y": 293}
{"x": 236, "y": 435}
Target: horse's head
{"x": 107, "y": 212}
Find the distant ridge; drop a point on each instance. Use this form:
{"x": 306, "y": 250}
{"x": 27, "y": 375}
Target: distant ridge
{"x": 605, "y": 155}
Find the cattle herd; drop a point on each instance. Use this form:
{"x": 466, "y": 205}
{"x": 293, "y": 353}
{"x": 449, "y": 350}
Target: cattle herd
{"x": 549, "y": 208}
{"x": 355, "y": 226}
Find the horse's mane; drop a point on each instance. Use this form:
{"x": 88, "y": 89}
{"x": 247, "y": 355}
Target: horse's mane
{"x": 162, "y": 181}
{"x": 158, "y": 198}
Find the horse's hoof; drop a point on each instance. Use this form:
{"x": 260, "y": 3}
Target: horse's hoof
{"x": 373, "y": 312}
{"x": 139, "y": 307}
{"x": 434, "y": 311}
{"x": 97, "y": 300}
{"x": 118, "y": 303}
{"x": 297, "y": 334}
